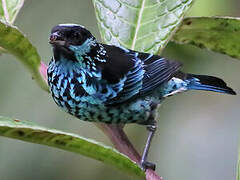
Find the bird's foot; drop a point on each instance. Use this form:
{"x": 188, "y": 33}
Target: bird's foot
{"x": 147, "y": 165}
{"x": 144, "y": 163}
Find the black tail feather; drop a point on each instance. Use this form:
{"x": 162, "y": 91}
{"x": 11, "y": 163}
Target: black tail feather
{"x": 208, "y": 83}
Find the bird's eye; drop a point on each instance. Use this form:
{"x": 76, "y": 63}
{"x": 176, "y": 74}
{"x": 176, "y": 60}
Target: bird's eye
{"x": 77, "y": 35}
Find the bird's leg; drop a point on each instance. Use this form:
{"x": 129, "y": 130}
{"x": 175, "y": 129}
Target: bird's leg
{"x": 144, "y": 163}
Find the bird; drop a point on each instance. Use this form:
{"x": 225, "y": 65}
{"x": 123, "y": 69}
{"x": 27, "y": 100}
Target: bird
{"x": 110, "y": 84}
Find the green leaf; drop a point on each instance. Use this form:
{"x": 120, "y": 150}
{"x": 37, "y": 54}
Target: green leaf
{"x": 9, "y": 10}
{"x": 27, "y": 131}
{"x": 14, "y": 42}
{"x": 220, "y": 34}
{"x": 143, "y": 25}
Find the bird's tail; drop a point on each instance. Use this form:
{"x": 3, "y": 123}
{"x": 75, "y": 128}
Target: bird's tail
{"x": 207, "y": 83}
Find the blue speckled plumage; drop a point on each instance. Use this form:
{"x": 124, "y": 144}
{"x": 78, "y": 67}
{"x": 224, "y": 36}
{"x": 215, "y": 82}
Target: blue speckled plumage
{"x": 102, "y": 83}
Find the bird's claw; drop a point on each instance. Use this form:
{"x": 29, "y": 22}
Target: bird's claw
{"x": 147, "y": 165}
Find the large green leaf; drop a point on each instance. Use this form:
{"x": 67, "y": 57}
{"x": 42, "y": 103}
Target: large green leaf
{"x": 8, "y": 12}
{"x": 9, "y": 9}
{"x": 14, "y": 42}
{"x": 143, "y": 25}
{"x": 30, "y": 132}
{"x": 220, "y": 34}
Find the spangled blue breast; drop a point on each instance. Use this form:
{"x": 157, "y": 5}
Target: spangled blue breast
{"x": 69, "y": 94}
{"x": 66, "y": 89}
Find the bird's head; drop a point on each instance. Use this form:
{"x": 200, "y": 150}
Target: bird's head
{"x": 69, "y": 39}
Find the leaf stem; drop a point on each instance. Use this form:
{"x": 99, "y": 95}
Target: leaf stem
{"x": 6, "y": 15}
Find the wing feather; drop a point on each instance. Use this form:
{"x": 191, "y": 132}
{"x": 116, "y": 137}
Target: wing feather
{"x": 157, "y": 73}
{"x": 142, "y": 72}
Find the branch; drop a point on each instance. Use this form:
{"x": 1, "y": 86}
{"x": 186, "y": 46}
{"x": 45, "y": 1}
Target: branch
{"x": 151, "y": 175}
{"x": 121, "y": 142}
{"x": 43, "y": 71}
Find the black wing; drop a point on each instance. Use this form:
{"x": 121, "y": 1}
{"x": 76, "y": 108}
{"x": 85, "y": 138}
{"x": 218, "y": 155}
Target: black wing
{"x": 138, "y": 73}
{"x": 157, "y": 71}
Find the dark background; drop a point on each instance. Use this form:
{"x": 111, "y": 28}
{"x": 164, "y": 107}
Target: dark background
{"x": 198, "y": 132}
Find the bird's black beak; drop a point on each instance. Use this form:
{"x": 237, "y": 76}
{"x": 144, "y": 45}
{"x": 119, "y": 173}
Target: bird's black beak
{"x": 56, "y": 39}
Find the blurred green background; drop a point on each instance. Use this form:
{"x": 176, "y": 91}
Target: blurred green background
{"x": 198, "y": 132}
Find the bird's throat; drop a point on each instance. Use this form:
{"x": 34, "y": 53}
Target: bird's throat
{"x": 63, "y": 52}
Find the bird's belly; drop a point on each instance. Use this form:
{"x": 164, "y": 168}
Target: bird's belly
{"x": 134, "y": 112}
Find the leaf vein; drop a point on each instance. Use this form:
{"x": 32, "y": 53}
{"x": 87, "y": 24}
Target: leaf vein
{"x": 138, "y": 24}
{"x": 124, "y": 20}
